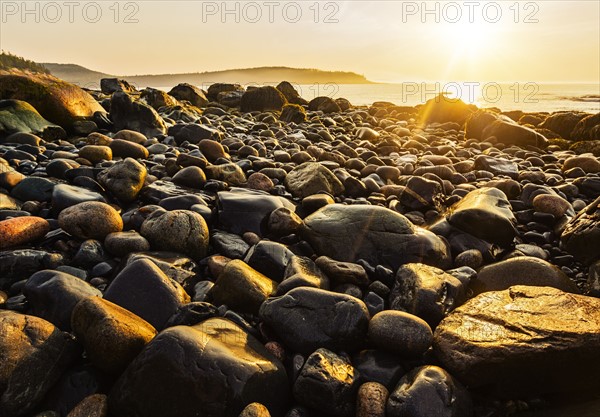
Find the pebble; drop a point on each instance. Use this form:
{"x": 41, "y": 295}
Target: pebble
{"x": 20, "y": 231}
{"x": 90, "y": 220}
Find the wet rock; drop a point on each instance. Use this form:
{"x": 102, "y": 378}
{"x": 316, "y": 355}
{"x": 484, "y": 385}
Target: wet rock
{"x": 22, "y": 230}
{"x": 310, "y": 178}
{"x": 121, "y": 244}
{"x": 426, "y": 292}
{"x": 90, "y": 220}
{"x": 93, "y": 406}
{"x": 269, "y": 258}
{"x": 242, "y": 210}
{"x": 20, "y": 264}
{"x": 376, "y": 234}
{"x": 400, "y": 333}
{"x": 230, "y": 173}
{"x": 343, "y": 272}
{"x": 146, "y": 291}
{"x": 522, "y": 270}
{"x": 33, "y": 189}
{"x": 126, "y": 149}
{"x": 33, "y": 355}
{"x": 522, "y": 341}
{"x": 485, "y": 213}
{"x": 181, "y": 231}
{"x": 327, "y": 383}
{"x": 64, "y": 195}
{"x": 96, "y": 153}
{"x": 283, "y": 222}
{"x": 241, "y": 287}
{"x": 552, "y": 204}
{"x": 497, "y": 166}
{"x": 302, "y": 272}
{"x": 422, "y": 194}
{"x": 192, "y": 313}
{"x": 111, "y": 335}
{"x": 180, "y": 269}
{"x": 192, "y": 177}
{"x": 231, "y": 369}
{"x": 306, "y": 319}
{"x": 429, "y": 391}
{"x": 52, "y": 295}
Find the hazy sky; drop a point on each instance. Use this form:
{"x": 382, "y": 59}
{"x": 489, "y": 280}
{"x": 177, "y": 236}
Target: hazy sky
{"x": 384, "y": 40}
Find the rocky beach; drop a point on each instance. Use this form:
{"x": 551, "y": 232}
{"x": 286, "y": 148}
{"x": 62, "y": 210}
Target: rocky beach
{"x": 244, "y": 252}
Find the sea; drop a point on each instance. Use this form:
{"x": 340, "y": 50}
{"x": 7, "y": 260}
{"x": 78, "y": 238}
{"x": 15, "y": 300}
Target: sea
{"x": 525, "y": 96}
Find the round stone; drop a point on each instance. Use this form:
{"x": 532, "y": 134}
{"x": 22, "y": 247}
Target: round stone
{"x": 22, "y": 230}
{"x": 401, "y": 333}
{"x": 552, "y": 204}
{"x": 90, "y": 220}
{"x": 121, "y": 244}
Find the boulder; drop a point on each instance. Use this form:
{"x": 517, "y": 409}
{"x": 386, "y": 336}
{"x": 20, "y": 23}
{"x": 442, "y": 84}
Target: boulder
{"x": 215, "y": 89}
{"x": 487, "y": 126}
{"x": 290, "y": 93}
{"x": 581, "y": 236}
{"x": 212, "y": 369}
{"x": 563, "y": 122}
{"x": 261, "y": 99}
{"x": 376, "y": 234}
{"x": 191, "y": 93}
{"x": 324, "y": 104}
{"x": 442, "y": 109}
{"x": 113, "y": 85}
{"x": 126, "y": 113}
{"x": 56, "y": 100}
{"x": 587, "y": 128}
{"x": 20, "y": 116}
{"x": 523, "y": 341}
{"x": 158, "y": 98}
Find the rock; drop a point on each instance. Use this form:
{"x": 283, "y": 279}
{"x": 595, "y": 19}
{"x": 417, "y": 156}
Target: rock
{"x": 422, "y": 194}
{"x": 192, "y": 177}
{"x": 33, "y": 355}
{"x": 124, "y": 179}
{"x": 426, "y": 292}
{"x": 90, "y": 220}
{"x": 33, "y": 189}
{"x": 261, "y": 99}
{"x": 130, "y": 136}
{"x": 259, "y": 181}
{"x": 20, "y": 116}
{"x": 302, "y": 272}
{"x": 522, "y": 270}
{"x": 485, "y": 213}
{"x": 327, "y": 383}
{"x": 581, "y": 235}
{"x": 52, "y": 295}
{"x": 311, "y": 178}
{"x": 230, "y": 98}
{"x": 191, "y": 93}
{"x": 231, "y": 369}
{"x": 269, "y": 258}
{"x": 96, "y": 153}
{"x": 400, "y": 333}
{"x": 95, "y": 405}
{"x": 126, "y": 149}
{"x": 371, "y": 400}
{"x": 324, "y": 104}
{"x": 182, "y": 231}
{"x": 563, "y": 122}
{"x": 230, "y": 173}
{"x": 113, "y": 85}
{"x": 283, "y": 222}
{"x": 255, "y": 410}
{"x": 135, "y": 115}
{"x": 497, "y": 166}
{"x": 306, "y": 319}
{"x": 216, "y": 88}
{"x": 376, "y": 234}
{"x": 23, "y": 138}
{"x": 242, "y": 210}
{"x": 587, "y": 128}
{"x": 484, "y": 126}
{"x": 158, "y": 98}
{"x": 343, "y": 272}
{"x": 378, "y": 366}
{"x": 290, "y": 93}
{"x": 442, "y": 109}
{"x": 57, "y": 101}
{"x": 293, "y": 113}
{"x": 179, "y": 268}
{"x": 112, "y": 336}
{"x": 366, "y": 133}
{"x": 64, "y": 195}
{"x": 522, "y": 341}
{"x": 588, "y": 163}
{"x": 121, "y": 244}
{"x": 241, "y": 288}
{"x": 212, "y": 149}
{"x": 22, "y": 230}
{"x": 19, "y": 264}
{"x": 142, "y": 288}
{"x": 552, "y": 204}
{"x": 429, "y": 391}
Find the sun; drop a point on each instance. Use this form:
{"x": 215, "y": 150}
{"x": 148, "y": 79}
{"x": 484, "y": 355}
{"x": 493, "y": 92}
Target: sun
{"x": 469, "y": 38}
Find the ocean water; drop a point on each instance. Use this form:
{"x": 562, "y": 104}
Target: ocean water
{"x": 526, "y": 96}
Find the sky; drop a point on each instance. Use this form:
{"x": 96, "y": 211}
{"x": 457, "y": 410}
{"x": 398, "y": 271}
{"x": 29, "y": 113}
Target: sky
{"x": 387, "y": 41}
